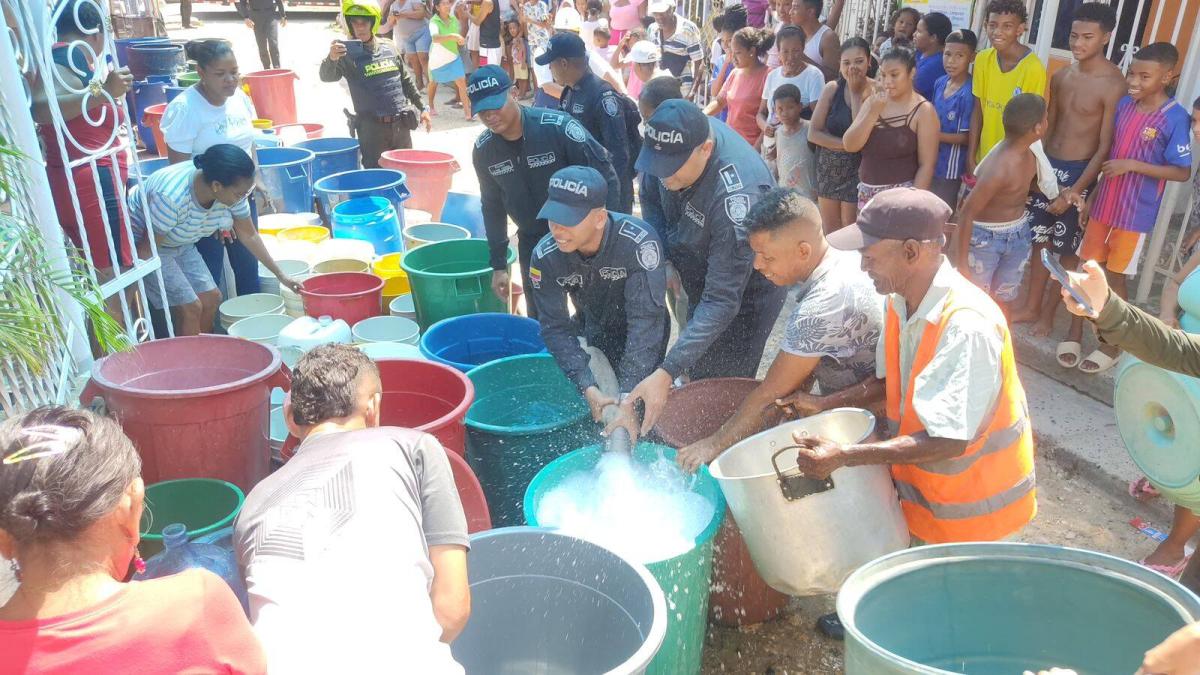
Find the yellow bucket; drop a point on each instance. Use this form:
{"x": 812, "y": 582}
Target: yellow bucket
{"x": 262, "y": 124}
{"x": 310, "y": 233}
{"x": 395, "y": 279}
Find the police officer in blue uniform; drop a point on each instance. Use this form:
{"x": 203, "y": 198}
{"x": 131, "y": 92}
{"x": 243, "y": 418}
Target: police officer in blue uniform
{"x": 610, "y": 265}
{"x": 387, "y": 104}
{"x": 610, "y": 117}
{"x": 711, "y": 177}
{"x": 514, "y": 159}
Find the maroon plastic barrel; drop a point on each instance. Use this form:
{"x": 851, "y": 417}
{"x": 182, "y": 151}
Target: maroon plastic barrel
{"x": 694, "y": 411}
{"x": 195, "y": 407}
{"x": 350, "y": 296}
{"x": 422, "y": 395}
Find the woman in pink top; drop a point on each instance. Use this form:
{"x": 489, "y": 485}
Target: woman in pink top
{"x": 70, "y": 507}
{"x": 624, "y": 15}
{"x": 742, "y": 92}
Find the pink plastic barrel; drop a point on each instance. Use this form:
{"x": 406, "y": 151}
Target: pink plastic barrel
{"x": 421, "y": 395}
{"x": 350, "y": 296}
{"x": 429, "y": 175}
{"x": 470, "y": 493}
{"x": 195, "y": 407}
{"x": 311, "y": 130}
{"x": 693, "y": 412}
{"x": 152, "y": 119}
{"x": 274, "y": 94}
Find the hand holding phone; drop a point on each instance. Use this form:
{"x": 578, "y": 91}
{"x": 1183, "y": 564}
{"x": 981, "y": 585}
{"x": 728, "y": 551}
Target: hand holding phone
{"x": 1060, "y": 275}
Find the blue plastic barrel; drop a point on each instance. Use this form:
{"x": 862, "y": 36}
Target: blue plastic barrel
{"x": 172, "y": 92}
{"x": 144, "y": 95}
{"x": 372, "y": 219}
{"x": 464, "y": 210}
{"x": 122, "y": 46}
{"x": 287, "y": 175}
{"x": 335, "y": 189}
{"x": 334, "y": 155}
{"x": 465, "y": 342}
{"x": 155, "y": 58}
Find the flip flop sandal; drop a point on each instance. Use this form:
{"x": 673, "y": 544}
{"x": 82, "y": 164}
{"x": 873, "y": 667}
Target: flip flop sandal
{"x": 1100, "y": 360}
{"x": 1068, "y": 348}
{"x": 1142, "y": 490}
{"x": 1172, "y": 571}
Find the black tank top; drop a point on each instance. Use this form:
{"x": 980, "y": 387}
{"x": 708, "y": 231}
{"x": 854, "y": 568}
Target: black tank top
{"x": 890, "y": 154}
{"x": 489, "y": 30}
{"x": 839, "y": 118}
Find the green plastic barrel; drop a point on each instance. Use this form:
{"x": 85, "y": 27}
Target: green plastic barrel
{"x": 203, "y": 505}
{"x": 526, "y": 413}
{"x": 452, "y": 278}
{"x": 1005, "y": 608}
{"x": 189, "y": 78}
{"x": 685, "y": 579}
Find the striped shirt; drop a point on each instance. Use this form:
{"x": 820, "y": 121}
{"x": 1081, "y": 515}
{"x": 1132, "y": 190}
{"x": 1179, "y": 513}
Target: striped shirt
{"x": 1130, "y": 201}
{"x": 954, "y": 112}
{"x": 680, "y": 49}
{"x": 178, "y": 220}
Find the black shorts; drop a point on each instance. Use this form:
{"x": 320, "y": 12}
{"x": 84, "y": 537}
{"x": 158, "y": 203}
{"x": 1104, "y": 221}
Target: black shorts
{"x": 1062, "y": 232}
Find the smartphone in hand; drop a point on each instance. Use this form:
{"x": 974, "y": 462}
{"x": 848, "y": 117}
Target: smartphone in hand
{"x": 1060, "y": 275}
{"x": 353, "y": 47}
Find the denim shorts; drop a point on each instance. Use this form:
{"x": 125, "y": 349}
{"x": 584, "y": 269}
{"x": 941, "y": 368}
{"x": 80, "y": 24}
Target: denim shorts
{"x": 418, "y": 41}
{"x": 184, "y": 276}
{"x": 999, "y": 255}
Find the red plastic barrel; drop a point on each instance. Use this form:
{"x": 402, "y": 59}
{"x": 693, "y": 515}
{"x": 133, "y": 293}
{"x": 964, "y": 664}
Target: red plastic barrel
{"x": 422, "y": 395}
{"x": 693, "y": 412}
{"x": 351, "y": 296}
{"x": 429, "y": 175}
{"x": 195, "y": 407}
{"x": 274, "y": 94}
{"x": 470, "y": 493}
{"x": 152, "y": 119}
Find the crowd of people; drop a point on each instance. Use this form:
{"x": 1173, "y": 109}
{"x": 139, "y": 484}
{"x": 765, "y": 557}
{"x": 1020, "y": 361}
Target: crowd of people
{"x": 900, "y": 187}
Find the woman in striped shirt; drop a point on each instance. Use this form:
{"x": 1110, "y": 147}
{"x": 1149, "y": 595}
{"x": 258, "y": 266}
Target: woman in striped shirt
{"x": 187, "y": 202}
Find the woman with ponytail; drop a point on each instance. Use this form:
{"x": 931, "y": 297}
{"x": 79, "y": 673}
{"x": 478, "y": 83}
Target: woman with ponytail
{"x": 187, "y": 203}
{"x": 742, "y": 92}
{"x": 71, "y": 502}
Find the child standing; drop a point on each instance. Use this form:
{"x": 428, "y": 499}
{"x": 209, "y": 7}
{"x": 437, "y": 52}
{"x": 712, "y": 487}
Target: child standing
{"x": 516, "y": 57}
{"x": 1150, "y": 146}
{"x": 601, "y": 37}
{"x": 993, "y": 227}
{"x": 793, "y": 157}
{"x": 954, "y": 102}
{"x": 903, "y": 25}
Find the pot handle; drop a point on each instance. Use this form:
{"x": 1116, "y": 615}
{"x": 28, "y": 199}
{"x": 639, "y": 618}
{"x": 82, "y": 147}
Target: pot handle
{"x": 92, "y": 398}
{"x": 793, "y": 484}
{"x": 282, "y": 378}
{"x": 454, "y": 166}
{"x": 477, "y": 290}
{"x": 297, "y": 172}
{"x": 402, "y": 192}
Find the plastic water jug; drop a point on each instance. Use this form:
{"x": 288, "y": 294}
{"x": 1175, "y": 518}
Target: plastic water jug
{"x": 180, "y": 555}
{"x": 307, "y": 332}
{"x": 371, "y": 219}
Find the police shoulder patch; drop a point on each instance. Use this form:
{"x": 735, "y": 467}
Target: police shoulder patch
{"x": 730, "y": 178}
{"x": 632, "y": 231}
{"x": 545, "y": 247}
{"x": 535, "y": 277}
{"x": 576, "y": 132}
{"x": 610, "y": 104}
{"x": 552, "y": 118}
{"x": 649, "y": 255}
{"x": 736, "y": 207}
{"x": 483, "y": 138}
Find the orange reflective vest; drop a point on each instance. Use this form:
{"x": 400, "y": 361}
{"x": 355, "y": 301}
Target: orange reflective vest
{"x": 985, "y": 494}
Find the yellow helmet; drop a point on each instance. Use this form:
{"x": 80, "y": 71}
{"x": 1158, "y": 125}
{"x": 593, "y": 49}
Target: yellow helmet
{"x": 350, "y": 8}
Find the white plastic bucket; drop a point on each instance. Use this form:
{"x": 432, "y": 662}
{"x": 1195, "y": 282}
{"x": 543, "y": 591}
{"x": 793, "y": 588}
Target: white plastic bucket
{"x": 403, "y": 306}
{"x": 263, "y": 328}
{"x": 296, "y": 269}
{"x": 387, "y": 329}
{"x": 255, "y": 304}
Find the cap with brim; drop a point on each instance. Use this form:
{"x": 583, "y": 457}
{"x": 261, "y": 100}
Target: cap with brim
{"x": 562, "y": 46}
{"x": 671, "y": 134}
{"x": 488, "y": 88}
{"x": 901, "y": 213}
{"x": 643, "y": 51}
{"x": 572, "y": 193}
{"x": 659, "y": 6}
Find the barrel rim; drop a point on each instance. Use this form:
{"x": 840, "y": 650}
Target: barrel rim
{"x": 715, "y": 465}
{"x": 318, "y": 187}
{"x": 525, "y": 430}
{"x": 375, "y": 287}
{"x": 670, "y": 438}
{"x": 221, "y": 524}
{"x": 442, "y": 325}
{"x": 326, "y": 140}
{"x": 893, "y": 565}
{"x": 510, "y": 258}
{"x": 653, "y": 640}
{"x": 264, "y": 162}
{"x": 107, "y": 384}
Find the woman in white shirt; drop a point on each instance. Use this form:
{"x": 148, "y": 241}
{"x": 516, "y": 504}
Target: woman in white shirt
{"x": 215, "y": 110}
{"x": 187, "y": 203}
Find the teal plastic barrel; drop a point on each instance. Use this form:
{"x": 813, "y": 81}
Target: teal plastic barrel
{"x": 1004, "y": 608}
{"x": 526, "y": 414}
{"x": 452, "y": 278}
{"x": 685, "y": 579}
{"x": 202, "y": 505}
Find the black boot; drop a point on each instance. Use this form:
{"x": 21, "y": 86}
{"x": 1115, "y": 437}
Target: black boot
{"x": 831, "y": 626}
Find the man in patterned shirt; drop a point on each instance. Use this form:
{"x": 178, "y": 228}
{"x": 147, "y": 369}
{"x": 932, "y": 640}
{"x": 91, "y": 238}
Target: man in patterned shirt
{"x": 832, "y": 334}
{"x": 681, "y": 42}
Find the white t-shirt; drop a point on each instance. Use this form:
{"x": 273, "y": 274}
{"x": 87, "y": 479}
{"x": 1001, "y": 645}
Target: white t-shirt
{"x": 192, "y": 125}
{"x": 810, "y": 81}
{"x": 794, "y": 160}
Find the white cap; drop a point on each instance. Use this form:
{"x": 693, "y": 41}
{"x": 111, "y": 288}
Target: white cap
{"x": 643, "y": 51}
{"x": 659, "y": 6}
{"x": 568, "y": 18}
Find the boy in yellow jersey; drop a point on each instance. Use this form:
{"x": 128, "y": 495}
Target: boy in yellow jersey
{"x": 1002, "y": 71}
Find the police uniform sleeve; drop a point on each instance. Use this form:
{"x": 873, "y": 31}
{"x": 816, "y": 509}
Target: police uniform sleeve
{"x": 651, "y": 200}
{"x": 614, "y": 135}
{"x": 583, "y": 150}
{"x": 331, "y": 71}
{"x": 495, "y": 217}
{"x": 730, "y": 263}
{"x": 550, "y": 299}
{"x": 646, "y": 317}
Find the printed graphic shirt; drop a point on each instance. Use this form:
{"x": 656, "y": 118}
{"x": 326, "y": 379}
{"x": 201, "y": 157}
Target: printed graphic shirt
{"x": 1130, "y": 201}
{"x": 955, "y": 115}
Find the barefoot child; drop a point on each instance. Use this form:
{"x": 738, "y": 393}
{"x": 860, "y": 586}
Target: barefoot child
{"x": 993, "y": 226}
{"x": 1083, "y": 103}
{"x": 516, "y": 55}
{"x": 954, "y": 102}
{"x": 1150, "y": 147}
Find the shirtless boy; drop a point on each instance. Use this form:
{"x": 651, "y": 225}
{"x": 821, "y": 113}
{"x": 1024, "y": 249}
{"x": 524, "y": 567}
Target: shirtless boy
{"x": 1083, "y": 103}
{"x": 994, "y": 237}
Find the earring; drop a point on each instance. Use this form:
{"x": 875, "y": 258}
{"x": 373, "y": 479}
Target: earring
{"x": 16, "y": 569}
{"x": 138, "y": 563}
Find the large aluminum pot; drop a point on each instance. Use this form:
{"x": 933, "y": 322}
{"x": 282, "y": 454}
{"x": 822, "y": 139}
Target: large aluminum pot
{"x": 806, "y": 536}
